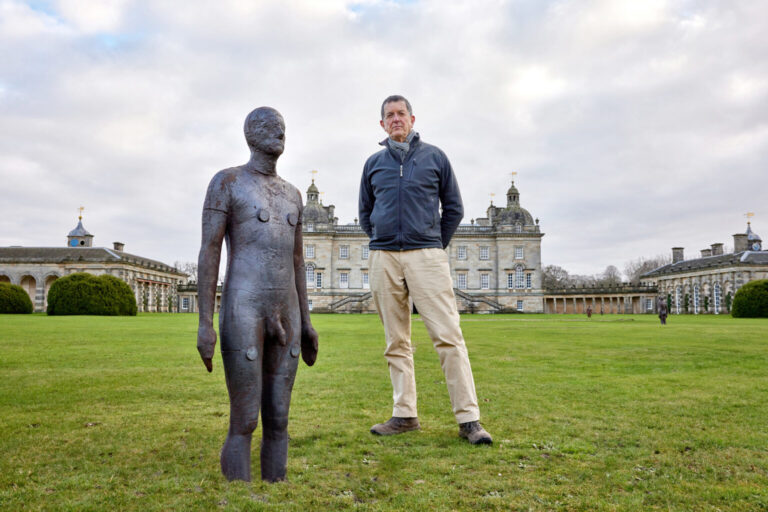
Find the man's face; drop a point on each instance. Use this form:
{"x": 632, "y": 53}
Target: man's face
{"x": 267, "y": 133}
{"x": 397, "y": 121}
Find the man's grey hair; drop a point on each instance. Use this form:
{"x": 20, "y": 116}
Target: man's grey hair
{"x": 393, "y": 99}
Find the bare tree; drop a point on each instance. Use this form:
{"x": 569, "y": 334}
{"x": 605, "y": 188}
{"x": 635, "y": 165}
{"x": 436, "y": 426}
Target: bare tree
{"x": 553, "y": 277}
{"x": 635, "y": 268}
{"x": 610, "y": 276}
{"x": 188, "y": 267}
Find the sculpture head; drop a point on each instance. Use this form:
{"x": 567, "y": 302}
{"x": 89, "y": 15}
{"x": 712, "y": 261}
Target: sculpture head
{"x": 265, "y": 131}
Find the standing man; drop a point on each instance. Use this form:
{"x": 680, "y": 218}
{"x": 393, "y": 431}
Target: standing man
{"x": 401, "y": 191}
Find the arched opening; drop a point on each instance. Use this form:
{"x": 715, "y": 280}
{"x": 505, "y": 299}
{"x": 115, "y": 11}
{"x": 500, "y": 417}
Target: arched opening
{"x": 4, "y": 279}
{"x": 717, "y": 298}
{"x": 48, "y": 282}
{"x": 696, "y": 299}
{"x": 30, "y": 285}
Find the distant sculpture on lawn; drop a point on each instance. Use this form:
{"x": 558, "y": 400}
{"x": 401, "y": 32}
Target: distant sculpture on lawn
{"x": 662, "y": 306}
{"x": 264, "y": 319}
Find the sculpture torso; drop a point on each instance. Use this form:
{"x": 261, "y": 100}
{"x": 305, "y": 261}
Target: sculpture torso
{"x": 262, "y": 217}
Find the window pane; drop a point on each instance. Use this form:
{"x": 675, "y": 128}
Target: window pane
{"x": 310, "y": 276}
{"x": 519, "y": 278}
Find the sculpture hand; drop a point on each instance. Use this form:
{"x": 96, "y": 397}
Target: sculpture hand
{"x": 206, "y": 342}
{"x": 308, "y": 344}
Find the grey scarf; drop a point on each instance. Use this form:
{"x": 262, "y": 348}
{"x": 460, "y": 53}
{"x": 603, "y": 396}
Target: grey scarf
{"x": 401, "y": 148}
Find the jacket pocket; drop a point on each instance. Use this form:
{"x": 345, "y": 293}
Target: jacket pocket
{"x": 382, "y": 224}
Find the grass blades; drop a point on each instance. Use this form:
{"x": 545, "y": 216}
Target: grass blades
{"x": 612, "y": 413}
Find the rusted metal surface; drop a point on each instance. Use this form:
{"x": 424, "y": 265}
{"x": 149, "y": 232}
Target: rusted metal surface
{"x": 264, "y": 320}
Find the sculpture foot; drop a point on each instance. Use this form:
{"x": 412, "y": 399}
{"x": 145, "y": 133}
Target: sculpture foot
{"x": 274, "y": 457}
{"x": 236, "y": 458}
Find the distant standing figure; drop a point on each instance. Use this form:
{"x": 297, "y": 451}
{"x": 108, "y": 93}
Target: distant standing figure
{"x": 662, "y": 304}
{"x": 589, "y": 312}
{"x": 264, "y": 319}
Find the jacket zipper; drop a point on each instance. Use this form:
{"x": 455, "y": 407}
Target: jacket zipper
{"x": 400, "y": 209}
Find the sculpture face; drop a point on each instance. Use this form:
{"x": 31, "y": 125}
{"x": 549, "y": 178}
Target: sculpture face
{"x": 265, "y": 131}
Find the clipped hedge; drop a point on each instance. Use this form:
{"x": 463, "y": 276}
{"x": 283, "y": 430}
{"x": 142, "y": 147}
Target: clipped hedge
{"x": 86, "y": 294}
{"x": 751, "y": 300}
{"x": 13, "y": 299}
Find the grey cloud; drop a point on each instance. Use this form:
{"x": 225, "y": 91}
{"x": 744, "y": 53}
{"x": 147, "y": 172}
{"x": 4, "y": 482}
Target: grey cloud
{"x": 629, "y": 137}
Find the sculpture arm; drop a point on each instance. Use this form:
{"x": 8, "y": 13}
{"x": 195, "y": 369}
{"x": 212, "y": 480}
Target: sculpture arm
{"x": 309, "y": 337}
{"x": 214, "y": 227}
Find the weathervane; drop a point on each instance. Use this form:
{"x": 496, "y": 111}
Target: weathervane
{"x": 80, "y": 216}
{"x": 313, "y": 172}
{"x": 321, "y": 196}
{"x": 492, "y": 196}
{"x": 513, "y": 174}
{"x": 749, "y": 216}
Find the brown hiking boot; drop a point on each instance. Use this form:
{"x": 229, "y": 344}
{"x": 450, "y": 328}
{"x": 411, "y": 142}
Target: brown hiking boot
{"x": 395, "y": 425}
{"x": 473, "y": 432}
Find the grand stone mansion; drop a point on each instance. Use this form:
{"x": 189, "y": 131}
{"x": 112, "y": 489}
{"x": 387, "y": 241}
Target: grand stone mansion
{"x": 495, "y": 260}
{"x": 495, "y": 264}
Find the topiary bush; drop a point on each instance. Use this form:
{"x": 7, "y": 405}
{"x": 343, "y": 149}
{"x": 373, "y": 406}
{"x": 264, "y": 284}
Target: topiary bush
{"x": 751, "y": 300}
{"x": 13, "y": 299}
{"x": 86, "y": 294}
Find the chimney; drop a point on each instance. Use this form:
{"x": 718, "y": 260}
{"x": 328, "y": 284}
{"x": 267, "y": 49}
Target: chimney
{"x": 677, "y": 254}
{"x": 706, "y": 253}
{"x": 119, "y": 246}
{"x": 717, "y": 249}
{"x": 740, "y": 242}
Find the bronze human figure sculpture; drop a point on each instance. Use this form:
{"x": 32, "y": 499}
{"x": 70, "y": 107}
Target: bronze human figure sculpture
{"x": 662, "y": 306}
{"x": 264, "y": 319}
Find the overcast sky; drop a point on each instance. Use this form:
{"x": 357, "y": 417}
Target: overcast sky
{"x": 633, "y": 126}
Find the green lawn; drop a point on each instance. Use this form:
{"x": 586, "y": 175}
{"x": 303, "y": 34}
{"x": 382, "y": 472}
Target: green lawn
{"x": 612, "y": 413}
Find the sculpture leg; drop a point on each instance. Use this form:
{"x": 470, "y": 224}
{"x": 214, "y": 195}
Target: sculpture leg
{"x": 279, "y": 374}
{"x": 242, "y": 369}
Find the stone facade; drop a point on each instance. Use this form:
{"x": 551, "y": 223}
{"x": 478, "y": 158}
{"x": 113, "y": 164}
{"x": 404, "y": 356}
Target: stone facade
{"x": 707, "y": 284}
{"x": 621, "y": 299}
{"x": 36, "y": 268}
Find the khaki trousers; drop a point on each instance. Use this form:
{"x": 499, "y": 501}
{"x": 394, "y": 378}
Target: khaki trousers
{"x": 424, "y": 275}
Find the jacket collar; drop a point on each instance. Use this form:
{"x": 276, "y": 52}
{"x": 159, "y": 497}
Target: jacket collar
{"x": 414, "y": 141}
